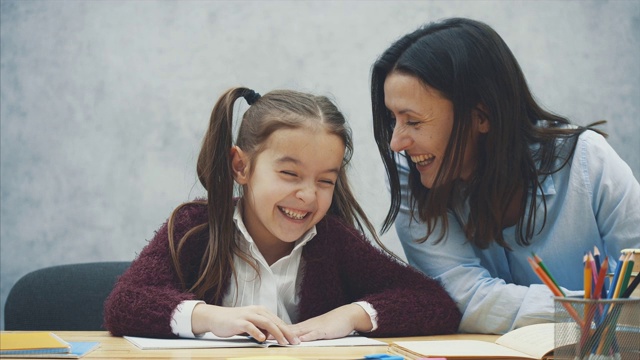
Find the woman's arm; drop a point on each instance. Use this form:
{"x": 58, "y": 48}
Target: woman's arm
{"x": 489, "y": 304}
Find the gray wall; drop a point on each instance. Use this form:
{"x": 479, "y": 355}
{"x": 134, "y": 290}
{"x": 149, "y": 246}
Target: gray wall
{"x": 104, "y": 103}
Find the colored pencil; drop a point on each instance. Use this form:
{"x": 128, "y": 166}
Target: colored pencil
{"x": 554, "y": 289}
{"x": 538, "y": 261}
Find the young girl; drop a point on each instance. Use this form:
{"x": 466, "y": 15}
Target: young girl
{"x": 285, "y": 252}
{"x": 486, "y": 176}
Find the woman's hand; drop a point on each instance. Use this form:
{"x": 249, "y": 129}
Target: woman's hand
{"x": 255, "y": 321}
{"x": 336, "y": 323}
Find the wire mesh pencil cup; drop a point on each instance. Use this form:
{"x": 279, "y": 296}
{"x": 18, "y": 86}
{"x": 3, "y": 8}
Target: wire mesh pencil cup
{"x": 597, "y": 329}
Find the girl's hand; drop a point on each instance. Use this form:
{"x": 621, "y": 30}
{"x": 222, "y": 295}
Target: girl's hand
{"x": 336, "y": 323}
{"x": 256, "y": 321}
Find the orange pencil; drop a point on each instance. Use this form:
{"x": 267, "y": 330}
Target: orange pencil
{"x": 538, "y": 261}
{"x": 555, "y": 290}
{"x": 587, "y": 278}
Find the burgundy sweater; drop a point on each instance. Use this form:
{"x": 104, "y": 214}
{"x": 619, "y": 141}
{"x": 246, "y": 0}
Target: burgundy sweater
{"x": 341, "y": 267}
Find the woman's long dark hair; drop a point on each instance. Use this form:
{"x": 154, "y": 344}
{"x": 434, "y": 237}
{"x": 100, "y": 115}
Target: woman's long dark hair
{"x": 468, "y": 63}
{"x": 279, "y": 109}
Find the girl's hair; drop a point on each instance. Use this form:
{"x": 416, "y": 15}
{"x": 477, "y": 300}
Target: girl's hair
{"x": 280, "y": 109}
{"x": 469, "y": 64}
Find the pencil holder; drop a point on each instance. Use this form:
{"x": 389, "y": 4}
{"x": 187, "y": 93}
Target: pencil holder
{"x": 597, "y": 329}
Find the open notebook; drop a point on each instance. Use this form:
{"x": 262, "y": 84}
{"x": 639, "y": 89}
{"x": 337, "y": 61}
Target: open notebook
{"x": 211, "y": 341}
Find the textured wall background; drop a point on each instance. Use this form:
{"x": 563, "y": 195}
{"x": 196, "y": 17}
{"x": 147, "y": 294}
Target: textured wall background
{"x": 104, "y": 103}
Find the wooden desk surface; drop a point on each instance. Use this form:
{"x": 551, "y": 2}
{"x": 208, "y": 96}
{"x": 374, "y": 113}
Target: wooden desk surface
{"x": 118, "y": 348}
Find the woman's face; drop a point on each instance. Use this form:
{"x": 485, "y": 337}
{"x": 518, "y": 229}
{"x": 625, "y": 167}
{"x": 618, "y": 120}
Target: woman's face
{"x": 423, "y": 125}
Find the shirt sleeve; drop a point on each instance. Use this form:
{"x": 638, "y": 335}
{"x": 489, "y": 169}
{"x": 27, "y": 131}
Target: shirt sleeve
{"x": 373, "y": 314}
{"x": 615, "y": 193}
{"x": 181, "y": 319}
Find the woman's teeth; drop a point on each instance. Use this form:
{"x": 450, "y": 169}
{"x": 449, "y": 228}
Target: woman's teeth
{"x": 422, "y": 159}
{"x": 296, "y": 215}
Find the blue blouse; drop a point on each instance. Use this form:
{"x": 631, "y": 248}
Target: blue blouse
{"x": 593, "y": 201}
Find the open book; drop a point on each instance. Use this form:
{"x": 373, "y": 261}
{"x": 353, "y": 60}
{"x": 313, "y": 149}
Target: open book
{"x": 211, "y": 341}
{"x": 529, "y": 342}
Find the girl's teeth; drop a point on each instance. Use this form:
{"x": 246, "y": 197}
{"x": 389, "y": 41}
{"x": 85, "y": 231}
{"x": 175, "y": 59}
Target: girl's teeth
{"x": 294, "y": 214}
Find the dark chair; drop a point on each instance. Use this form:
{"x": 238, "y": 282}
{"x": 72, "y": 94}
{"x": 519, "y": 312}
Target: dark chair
{"x": 64, "y": 297}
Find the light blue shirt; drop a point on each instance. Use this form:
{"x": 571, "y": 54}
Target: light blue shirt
{"x": 593, "y": 201}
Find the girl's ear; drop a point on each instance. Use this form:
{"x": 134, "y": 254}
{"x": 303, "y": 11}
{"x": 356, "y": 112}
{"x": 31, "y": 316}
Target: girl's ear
{"x": 239, "y": 165}
{"x": 481, "y": 118}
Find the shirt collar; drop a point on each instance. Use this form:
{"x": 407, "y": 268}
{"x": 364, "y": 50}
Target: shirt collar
{"x": 237, "y": 218}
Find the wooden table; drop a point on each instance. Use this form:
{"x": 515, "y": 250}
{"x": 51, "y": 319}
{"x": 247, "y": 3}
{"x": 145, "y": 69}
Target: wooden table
{"x": 118, "y": 348}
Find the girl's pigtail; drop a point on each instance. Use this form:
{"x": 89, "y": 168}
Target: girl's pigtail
{"x": 216, "y": 176}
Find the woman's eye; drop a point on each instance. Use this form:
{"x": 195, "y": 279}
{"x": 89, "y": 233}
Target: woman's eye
{"x": 288, "y": 173}
{"x": 329, "y": 182}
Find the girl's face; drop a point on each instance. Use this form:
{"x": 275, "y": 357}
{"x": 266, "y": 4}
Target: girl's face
{"x": 424, "y": 122}
{"x": 290, "y": 188}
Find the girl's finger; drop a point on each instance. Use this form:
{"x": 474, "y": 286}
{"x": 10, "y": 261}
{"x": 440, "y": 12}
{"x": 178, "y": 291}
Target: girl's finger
{"x": 313, "y": 335}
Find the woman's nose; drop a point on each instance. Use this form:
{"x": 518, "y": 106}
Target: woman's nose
{"x": 399, "y": 140}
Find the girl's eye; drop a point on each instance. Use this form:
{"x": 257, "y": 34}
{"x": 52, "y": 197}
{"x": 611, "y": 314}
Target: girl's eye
{"x": 288, "y": 173}
{"x": 328, "y": 182}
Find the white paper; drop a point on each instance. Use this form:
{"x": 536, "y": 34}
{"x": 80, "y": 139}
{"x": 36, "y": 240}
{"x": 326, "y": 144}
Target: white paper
{"x": 211, "y": 341}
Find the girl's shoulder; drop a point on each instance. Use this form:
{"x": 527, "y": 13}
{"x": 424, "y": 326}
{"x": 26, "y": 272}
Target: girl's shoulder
{"x": 190, "y": 214}
{"x": 333, "y": 225}
{"x": 338, "y": 234}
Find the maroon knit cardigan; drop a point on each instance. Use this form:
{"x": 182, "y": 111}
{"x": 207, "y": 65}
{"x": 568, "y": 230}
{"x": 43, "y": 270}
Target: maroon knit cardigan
{"x": 341, "y": 267}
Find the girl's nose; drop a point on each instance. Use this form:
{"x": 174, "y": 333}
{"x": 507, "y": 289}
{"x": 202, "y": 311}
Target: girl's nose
{"x": 307, "y": 193}
{"x": 399, "y": 140}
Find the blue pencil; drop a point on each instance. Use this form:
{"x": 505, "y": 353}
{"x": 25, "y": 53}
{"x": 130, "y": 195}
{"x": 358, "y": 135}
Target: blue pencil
{"x": 616, "y": 276}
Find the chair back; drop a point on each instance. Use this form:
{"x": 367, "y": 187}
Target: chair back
{"x": 63, "y": 297}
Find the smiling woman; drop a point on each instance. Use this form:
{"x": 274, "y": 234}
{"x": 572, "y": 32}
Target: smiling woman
{"x": 287, "y": 258}
{"x": 423, "y": 123}
{"x": 481, "y": 175}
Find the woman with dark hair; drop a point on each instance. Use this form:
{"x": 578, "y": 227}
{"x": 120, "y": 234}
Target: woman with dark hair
{"x": 481, "y": 176}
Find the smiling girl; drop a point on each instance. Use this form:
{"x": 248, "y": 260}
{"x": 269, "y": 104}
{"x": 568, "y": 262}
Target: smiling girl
{"x": 283, "y": 259}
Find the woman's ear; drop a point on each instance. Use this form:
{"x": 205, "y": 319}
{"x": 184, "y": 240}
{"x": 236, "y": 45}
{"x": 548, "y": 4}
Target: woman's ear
{"x": 481, "y": 118}
{"x": 239, "y": 165}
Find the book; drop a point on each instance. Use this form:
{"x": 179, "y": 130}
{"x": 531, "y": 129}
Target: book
{"x": 209, "y": 340}
{"x": 42, "y": 345}
{"x": 32, "y": 343}
{"x": 528, "y": 342}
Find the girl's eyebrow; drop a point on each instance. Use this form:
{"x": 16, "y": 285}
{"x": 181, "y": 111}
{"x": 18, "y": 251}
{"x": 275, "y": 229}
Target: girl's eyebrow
{"x": 289, "y": 159}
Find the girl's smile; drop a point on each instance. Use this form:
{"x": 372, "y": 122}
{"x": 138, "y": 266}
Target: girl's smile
{"x": 289, "y": 185}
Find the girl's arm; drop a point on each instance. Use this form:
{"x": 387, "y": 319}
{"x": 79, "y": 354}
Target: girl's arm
{"x": 145, "y": 296}
{"x": 350, "y": 269}
{"x": 489, "y": 304}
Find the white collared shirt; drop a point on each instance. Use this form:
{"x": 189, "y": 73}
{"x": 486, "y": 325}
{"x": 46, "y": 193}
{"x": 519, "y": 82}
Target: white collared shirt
{"x": 274, "y": 288}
